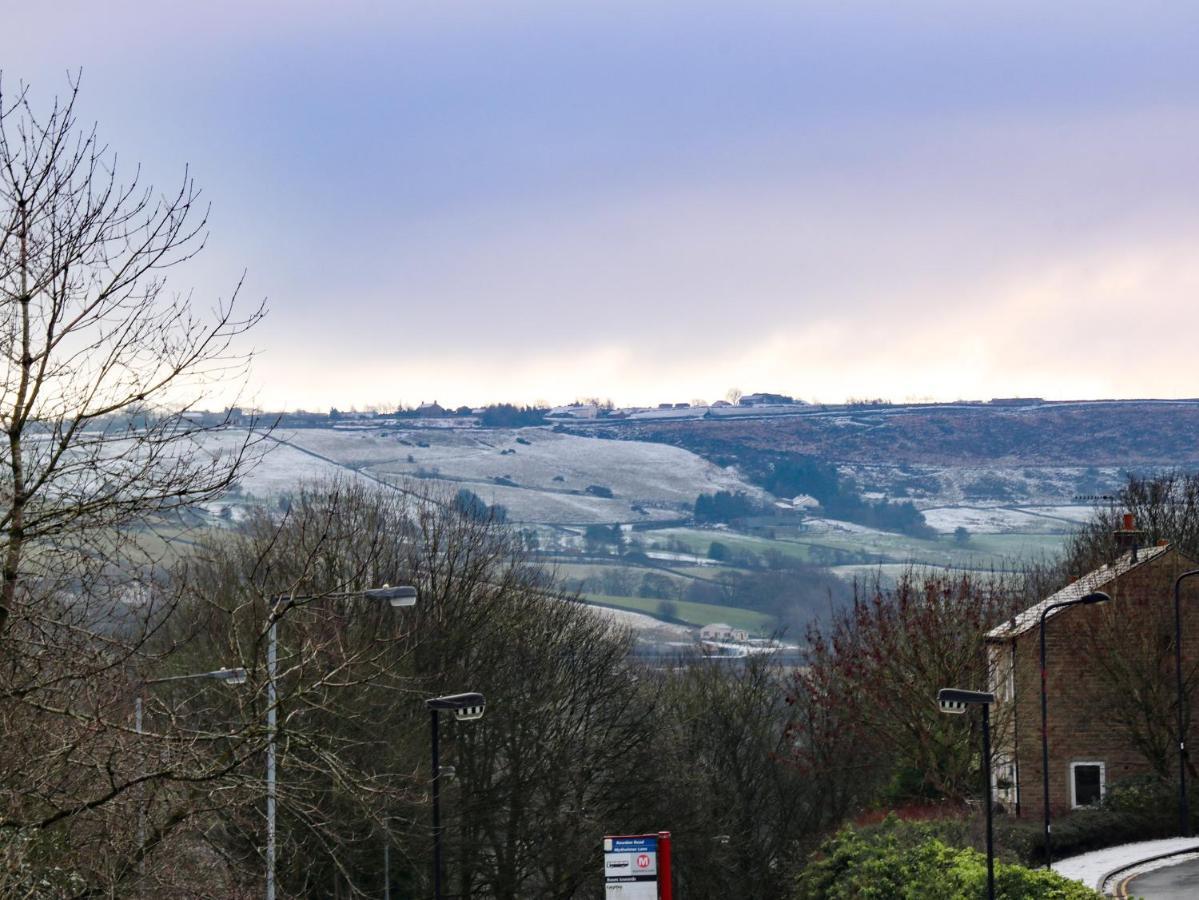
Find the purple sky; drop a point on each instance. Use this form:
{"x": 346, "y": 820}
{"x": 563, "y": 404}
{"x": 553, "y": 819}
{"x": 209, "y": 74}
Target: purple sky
{"x": 470, "y": 201}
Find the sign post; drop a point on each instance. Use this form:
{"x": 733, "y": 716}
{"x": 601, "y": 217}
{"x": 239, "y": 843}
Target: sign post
{"x": 637, "y": 867}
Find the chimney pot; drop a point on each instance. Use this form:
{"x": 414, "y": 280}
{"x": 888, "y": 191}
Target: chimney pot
{"x": 1127, "y": 537}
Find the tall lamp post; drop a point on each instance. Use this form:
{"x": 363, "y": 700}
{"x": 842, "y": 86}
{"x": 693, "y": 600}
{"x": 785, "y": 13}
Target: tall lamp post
{"x": 465, "y": 707}
{"x": 1093, "y": 597}
{"x": 1184, "y": 813}
{"x": 954, "y": 701}
{"x": 396, "y": 596}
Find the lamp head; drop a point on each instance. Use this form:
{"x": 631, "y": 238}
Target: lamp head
{"x": 230, "y": 677}
{"x": 464, "y": 706}
{"x": 403, "y": 595}
{"x": 954, "y": 701}
{"x": 469, "y": 713}
{"x": 1096, "y": 597}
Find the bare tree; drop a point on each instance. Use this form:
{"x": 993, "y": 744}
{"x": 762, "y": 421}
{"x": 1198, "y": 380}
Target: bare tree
{"x": 105, "y": 371}
{"x": 1165, "y": 506}
{"x": 104, "y": 367}
{"x": 878, "y": 664}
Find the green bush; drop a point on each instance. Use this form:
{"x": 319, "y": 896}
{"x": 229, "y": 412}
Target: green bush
{"x": 1137, "y": 809}
{"x": 909, "y": 862}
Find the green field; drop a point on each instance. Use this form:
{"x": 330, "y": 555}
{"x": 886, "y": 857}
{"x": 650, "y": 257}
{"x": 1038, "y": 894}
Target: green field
{"x": 698, "y": 614}
{"x": 983, "y": 551}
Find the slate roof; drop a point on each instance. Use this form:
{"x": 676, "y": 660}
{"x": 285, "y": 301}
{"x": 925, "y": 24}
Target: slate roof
{"x": 1092, "y": 581}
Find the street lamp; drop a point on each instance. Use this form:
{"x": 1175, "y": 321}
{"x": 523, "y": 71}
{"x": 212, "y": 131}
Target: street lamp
{"x": 228, "y": 677}
{"x": 1093, "y": 597}
{"x": 954, "y": 702}
{"x": 466, "y": 707}
{"x": 1184, "y": 813}
{"x": 397, "y": 597}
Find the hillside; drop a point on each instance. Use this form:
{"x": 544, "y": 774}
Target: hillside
{"x": 1124, "y": 434}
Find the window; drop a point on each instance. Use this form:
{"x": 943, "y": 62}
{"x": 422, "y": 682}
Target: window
{"x": 1087, "y": 783}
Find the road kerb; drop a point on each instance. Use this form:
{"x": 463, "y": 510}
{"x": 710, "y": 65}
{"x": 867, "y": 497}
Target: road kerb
{"x": 1120, "y": 890}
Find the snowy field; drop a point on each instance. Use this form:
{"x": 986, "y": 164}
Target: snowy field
{"x": 542, "y": 477}
{"x": 641, "y": 622}
{"x": 539, "y": 476}
{"x": 1003, "y": 519}
{"x": 994, "y": 485}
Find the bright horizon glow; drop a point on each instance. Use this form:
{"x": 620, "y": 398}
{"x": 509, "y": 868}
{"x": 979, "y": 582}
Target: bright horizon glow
{"x": 652, "y": 204}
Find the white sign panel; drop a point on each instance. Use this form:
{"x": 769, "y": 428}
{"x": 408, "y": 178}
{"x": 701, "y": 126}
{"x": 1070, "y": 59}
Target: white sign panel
{"x": 631, "y": 868}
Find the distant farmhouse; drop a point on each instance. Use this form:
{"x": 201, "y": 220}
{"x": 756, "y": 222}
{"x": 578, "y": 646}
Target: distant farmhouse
{"x": 432, "y": 410}
{"x": 1102, "y": 661}
{"x": 768, "y": 400}
{"x": 574, "y": 411}
{"x": 718, "y": 631}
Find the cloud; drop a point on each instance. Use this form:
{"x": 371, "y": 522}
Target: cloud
{"x": 472, "y": 202}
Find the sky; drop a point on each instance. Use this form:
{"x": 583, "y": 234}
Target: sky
{"x": 476, "y": 202}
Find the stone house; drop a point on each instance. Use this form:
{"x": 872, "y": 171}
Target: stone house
{"x": 1100, "y": 660}
{"x": 718, "y": 631}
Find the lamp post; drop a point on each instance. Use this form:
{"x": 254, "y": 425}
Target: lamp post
{"x": 1184, "y": 813}
{"x": 465, "y": 708}
{"x": 1093, "y": 597}
{"x": 396, "y": 596}
{"x": 954, "y": 702}
{"x": 228, "y": 677}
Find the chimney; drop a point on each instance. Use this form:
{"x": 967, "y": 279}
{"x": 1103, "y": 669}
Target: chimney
{"x": 1128, "y": 537}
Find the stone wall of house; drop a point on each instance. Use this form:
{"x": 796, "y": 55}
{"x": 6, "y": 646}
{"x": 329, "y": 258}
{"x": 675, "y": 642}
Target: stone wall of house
{"x": 1089, "y": 650}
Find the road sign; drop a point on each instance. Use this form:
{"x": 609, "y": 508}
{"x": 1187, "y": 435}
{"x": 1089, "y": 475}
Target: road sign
{"x": 631, "y": 868}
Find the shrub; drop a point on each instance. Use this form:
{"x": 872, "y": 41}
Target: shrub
{"x": 718, "y": 551}
{"x": 1135, "y": 809}
{"x": 910, "y": 862}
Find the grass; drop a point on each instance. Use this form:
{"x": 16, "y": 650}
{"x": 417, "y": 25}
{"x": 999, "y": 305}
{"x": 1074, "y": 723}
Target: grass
{"x": 982, "y": 552}
{"x": 698, "y": 614}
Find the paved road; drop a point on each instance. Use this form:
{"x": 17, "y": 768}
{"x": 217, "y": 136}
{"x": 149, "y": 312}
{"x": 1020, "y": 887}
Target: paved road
{"x": 1180, "y": 882}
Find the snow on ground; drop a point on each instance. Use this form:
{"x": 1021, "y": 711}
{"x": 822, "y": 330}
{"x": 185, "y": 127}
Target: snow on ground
{"x": 549, "y": 472}
{"x": 983, "y": 485}
{"x": 641, "y": 622}
{"x": 1072, "y": 512}
{"x": 279, "y": 469}
{"x": 817, "y": 525}
{"x": 527, "y": 505}
{"x": 689, "y": 558}
{"x": 985, "y": 519}
{"x": 1090, "y": 868}
{"x": 867, "y": 571}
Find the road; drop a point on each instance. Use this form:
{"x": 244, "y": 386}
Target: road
{"x": 1180, "y": 882}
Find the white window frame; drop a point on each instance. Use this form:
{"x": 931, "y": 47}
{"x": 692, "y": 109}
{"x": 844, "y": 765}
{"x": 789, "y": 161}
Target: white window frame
{"x": 1074, "y": 804}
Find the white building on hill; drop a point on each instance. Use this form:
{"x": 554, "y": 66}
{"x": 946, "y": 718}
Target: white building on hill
{"x": 718, "y": 631}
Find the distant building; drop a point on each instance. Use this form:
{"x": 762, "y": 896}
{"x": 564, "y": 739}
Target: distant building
{"x": 718, "y": 631}
{"x": 1016, "y": 401}
{"x": 432, "y": 410}
{"x": 721, "y": 403}
{"x": 764, "y": 399}
{"x": 574, "y": 411}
